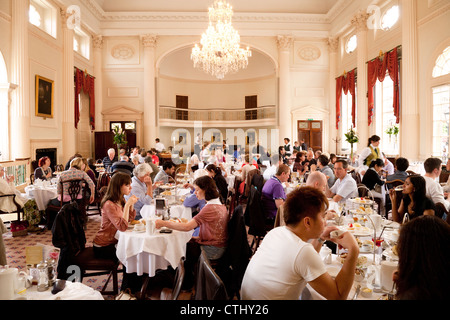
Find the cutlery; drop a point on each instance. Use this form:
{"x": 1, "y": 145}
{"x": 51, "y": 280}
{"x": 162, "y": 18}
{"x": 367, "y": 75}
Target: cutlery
{"x": 358, "y": 288}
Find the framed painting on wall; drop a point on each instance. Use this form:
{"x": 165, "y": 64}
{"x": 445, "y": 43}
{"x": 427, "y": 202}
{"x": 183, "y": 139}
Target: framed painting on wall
{"x": 44, "y": 97}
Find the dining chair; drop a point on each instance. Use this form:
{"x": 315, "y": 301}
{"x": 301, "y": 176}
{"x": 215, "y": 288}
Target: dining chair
{"x": 71, "y": 239}
{"x": 12, "y": 197}
{"x": 75, "y": 186}
{"x": 172, "y": 294}
{"x": 440, "y": 210}
{"x": 208, "y": 285}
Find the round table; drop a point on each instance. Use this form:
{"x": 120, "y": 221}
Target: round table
{"x": 42, "y": 194}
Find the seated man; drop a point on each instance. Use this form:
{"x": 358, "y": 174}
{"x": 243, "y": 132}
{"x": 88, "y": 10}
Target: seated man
{"x": 159, "y": 146}
{"x": 273, "y": 194}
{"x": 142, "y": 187}
{"x": 322, "y": 165}
{"x": 434, "y": 190}
{"x": 109, "y": 159}
{"x": 288, "y": 258}
{"x": 345, "y": 186}
{"x": 310, "y": 161}
{"x": 401, "y": 165}
{"x": 165, "y": 175}
{"x": 123, "y": 165}
{"x": 317, "y": 180}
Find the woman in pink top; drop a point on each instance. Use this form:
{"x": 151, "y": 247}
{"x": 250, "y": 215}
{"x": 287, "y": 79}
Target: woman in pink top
{"x": 116, "y": 213}
{"x": 212, "y": 219}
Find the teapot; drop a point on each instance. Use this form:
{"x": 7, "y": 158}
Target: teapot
{"x": 11, "y": 282}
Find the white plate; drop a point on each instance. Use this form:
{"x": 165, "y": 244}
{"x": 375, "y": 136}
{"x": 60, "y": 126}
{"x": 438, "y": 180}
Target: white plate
{"x": 361, "y": 250}
{"x": 362, "y": 233}
{"x": 139, "y": 231}
{"x": 359, "y": 201}
{"x": 165, "y": 186}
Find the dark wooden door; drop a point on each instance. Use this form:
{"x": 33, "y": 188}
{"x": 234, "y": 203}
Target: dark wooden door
{"x": 311, "y": 132}
{"x": 182, "y": 102}
{"x": 103, "y": 141}
{"x": 251, "y": 102}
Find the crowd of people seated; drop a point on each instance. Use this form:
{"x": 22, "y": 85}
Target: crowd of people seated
{"x": 287, "y": 258}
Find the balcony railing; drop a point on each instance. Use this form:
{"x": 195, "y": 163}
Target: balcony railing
{"x": 260, "y": 113}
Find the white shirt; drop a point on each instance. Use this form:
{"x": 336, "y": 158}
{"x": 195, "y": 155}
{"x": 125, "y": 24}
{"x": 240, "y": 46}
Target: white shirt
{"x": 346, "y": 187}
{"x": 160, "y": 147}
{"x": 270, "y": 172}
{"x": 281, "y": 267}
{"x": 435, "y": 192}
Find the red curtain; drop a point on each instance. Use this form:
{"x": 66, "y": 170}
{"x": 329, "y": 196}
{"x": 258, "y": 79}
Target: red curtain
{"x": 347, "y": 84}
{"x": 85, "y": 82}
{"x": 376, "y": 69}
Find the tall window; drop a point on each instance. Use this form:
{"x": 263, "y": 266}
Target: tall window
{"x": 384, "y": 114}
{"x": 346, "y": 118}
{"x": 441, "y": 104}
{"x": 351, "y": 44}
{"x": 441, "y": 100}
{"x": 43, "y": 15}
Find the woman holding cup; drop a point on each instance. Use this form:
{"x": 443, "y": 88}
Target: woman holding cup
{"x": 116, "y": 214}
{"x": 414, "y": 202}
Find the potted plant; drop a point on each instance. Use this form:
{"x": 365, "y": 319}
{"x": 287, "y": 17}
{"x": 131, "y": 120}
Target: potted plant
{"x": 120, "y": 138}
{"x": 351, "y": 137}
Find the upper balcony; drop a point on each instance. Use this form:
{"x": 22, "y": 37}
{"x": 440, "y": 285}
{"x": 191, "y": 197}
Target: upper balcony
{"x": 176, "y": 117}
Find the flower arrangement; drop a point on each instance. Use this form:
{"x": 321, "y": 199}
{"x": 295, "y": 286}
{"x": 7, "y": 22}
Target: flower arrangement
{"x": 392, "y": 130}
{"x": 119, "y": 135}
{"x": 351, "y": 137}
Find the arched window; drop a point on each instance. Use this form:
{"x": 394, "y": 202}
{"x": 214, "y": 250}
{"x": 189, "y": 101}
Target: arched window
{"x": 442, "y": 65}
{"x": 390, "y": 18}
{"x": 440, "y": 92}
{"x": 351, "y": 44}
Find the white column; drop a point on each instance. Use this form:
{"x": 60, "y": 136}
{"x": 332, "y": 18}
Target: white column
{"x": 409, "y": 108}
{"x": 333, "y": 133}
{"x": 68, "y": 98}
{"x": 284, "y": 111}
{"x": 150, "y": 110}
{"x": 98, "y": 46}
{"x": 362, "y": 122}
{"x": 20, "y": 107}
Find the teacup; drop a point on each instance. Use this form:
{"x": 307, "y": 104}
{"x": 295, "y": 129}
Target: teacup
{"x": 139, "y": 227}
{"x": 366, "y": 247}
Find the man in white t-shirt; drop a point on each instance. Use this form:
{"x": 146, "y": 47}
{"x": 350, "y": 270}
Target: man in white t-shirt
{"x": 435, "y": 192}
{"x": 288, "y": 257}
{"x": 345, "y": 186}
{"x": 159, "y": 146}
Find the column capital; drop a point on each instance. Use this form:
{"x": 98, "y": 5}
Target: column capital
{"x": 359, "y": 20}
{"x": 284, "y": 42}
{"x": 97, "y": 41}
{"x": 149, "y": 40}
{"x": 333, "y": 44}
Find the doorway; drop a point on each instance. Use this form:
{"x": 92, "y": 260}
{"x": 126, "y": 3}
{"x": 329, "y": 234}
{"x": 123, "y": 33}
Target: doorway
{"x": 311, "y": 132}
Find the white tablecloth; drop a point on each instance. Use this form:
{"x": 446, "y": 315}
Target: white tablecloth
{"x": 334, "y": 268}
{"x": 42, "y": 194}
{"x": 178, "y": 211}
{"x": 72, "y": 291}
{"x": 143, "y": 253}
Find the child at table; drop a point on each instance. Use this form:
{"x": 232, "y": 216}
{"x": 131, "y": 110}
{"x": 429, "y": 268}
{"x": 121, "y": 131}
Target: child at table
{"x": 116, "y": 213}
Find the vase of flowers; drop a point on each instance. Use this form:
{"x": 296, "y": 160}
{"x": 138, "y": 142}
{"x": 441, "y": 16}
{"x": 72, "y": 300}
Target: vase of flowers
{"x": 120, "y": 137}
{"x": 351, "y": 137}
{"x": 392, "y": 130}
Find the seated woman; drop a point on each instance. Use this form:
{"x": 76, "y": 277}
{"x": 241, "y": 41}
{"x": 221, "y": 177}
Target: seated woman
{"x": 116, "y": 213}
{"x": 43, "y": 172}
{"x": 298, "y": 167}
{"x": 76, "y": 171}
{"x": 212, "y": 219}
{"x": 371, "y": 178}
{"x": 216, "y": 174}
{"x": 414, "y": 202}
{"x": 423, "y": 242}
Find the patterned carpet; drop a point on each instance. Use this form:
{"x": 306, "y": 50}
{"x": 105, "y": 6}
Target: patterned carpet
{"x": 15, "y": 249}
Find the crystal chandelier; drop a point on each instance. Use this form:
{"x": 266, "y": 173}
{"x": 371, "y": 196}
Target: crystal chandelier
{"x": 220, "y": 52}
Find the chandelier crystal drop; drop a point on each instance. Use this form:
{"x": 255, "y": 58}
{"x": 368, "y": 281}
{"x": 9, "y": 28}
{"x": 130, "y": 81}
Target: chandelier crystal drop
{"x": 220, "y": 51}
